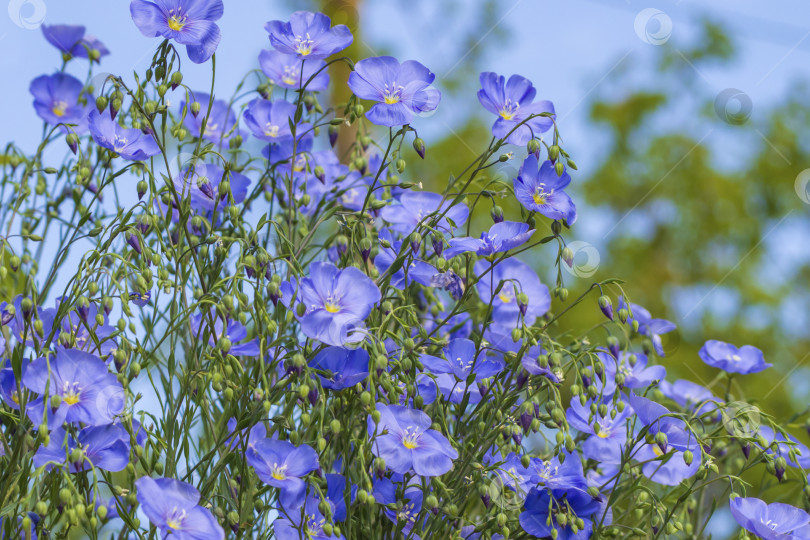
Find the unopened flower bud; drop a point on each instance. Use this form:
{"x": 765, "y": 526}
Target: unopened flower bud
{"x": 419, "y": 146}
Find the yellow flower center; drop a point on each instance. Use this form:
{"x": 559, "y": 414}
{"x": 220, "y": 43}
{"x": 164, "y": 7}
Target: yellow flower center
{"x": 279, "y": 472}
{"x": 411, "y": 438}
{"x": 270, "y": 130}
{"x": 176, "y": 20}
{"x": 539, "y": 198}
{"x": 604, "y": 434}
{"x": 59, "y": 108}
{"x": 657, "y": 450}
{"x": 71, "y": 393}
{"x": 303, "y": 46}
{"x": 506, "y": 297}
{"x": 173, "y": 524}
{"x": 331, "y": 307}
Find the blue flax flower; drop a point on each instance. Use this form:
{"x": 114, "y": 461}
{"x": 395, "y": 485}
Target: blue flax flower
{"x": 56, "y": 100}
{"x": 337, "y": 303}
{"x": 633, "y": 367}
{"x": 665, "y": 463}
{"x": 501, "y": 237}
{"x": 232, "y": 330}
{"x": 345, "y": 367}
{"x": 647, "y": 326}
{"x": 725, "y": 356}
{"x": 403, "y": 438}
{"x": 103, "y": 447}
{"x": 173, "y": 507}
{"x": 89, "y": 393}
{"x": 289, "y": 71}
{"x": 539, "y": 189}
{"x": 308, "y": 35}
{"x": 775, "y": 521}
{"x": 201, "y": 183}
{"x": 517, "y": 277}
{"x": 542, "y": 511}
{"x": 459, "y": 363}
{"x": 221, "y": 124}
{"x": 270, "y": 121}
{"x": 606, "y": 434}
{"x": 399, "y": 90}
{"x": 511, "y": 101}
{"x": 689, "y": 395}
{"x": 72, "y": 40}
{"x": 414, "y": 271}
{"x": 282, "y": 465}
{"x": 291, "y": 525}
{"x": 416, "y": 207}
{"x": 128, "y": 143}
{"x": 188, "y": 22}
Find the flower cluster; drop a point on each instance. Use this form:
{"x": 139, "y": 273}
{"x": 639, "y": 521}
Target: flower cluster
{"x": 311, "y": 345}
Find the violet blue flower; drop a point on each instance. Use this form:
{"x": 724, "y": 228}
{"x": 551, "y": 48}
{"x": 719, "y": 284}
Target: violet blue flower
{"x": 103, "y": 447}
{"x": 501, "y": 237}
{"x": 725, "y": 356}
{"x": 282, "y": 465}
{"x": 775, "y": 521}
{"x": 221, "y": 123}
{"x": 539, "y": 189}
{"x": 286, "y": 71}
{"x": 308, "y": 35}
{"x": 232, "y": 330}
{"x": 89, "y": 393}
{"x": 72, "y": 41}
{"x": 672, "y": 469}
{"x": 647, "y": 326}
{"x": 270, "y": 121}
{"x": 399, "y": 90}
{"x": 173, "y": 507}
{"x": 131, "y": 144}
{"x": 417, "y": 207}
{"x": 512, "y": 101}
{"x": 346, "y": 367}
{"x": 404, "y": 439}
{"x": 461, "y": 361}
{"x": 201, "y": 183}
{"x": 56, "y": 100}
{"x": 541, "y": 511}
{"x": 410, "y": 270}
{"x": 337, "y": 303}
{"x": 633, "y": 367}
{"x": 517, "y": 277}
{"x": 605, "y": 443}
{"x": 290, "y": 524}
{"x": 188, "y": 22}
{"x": 689, "y": 394}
